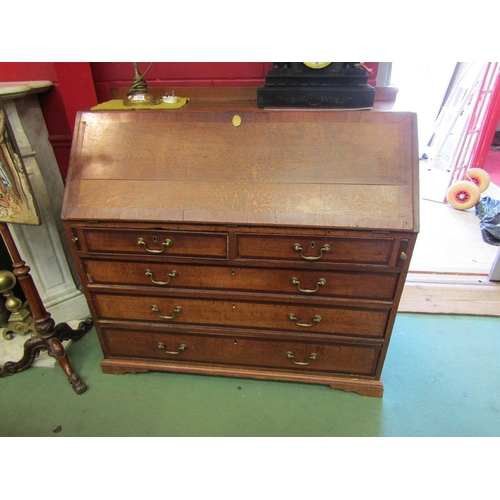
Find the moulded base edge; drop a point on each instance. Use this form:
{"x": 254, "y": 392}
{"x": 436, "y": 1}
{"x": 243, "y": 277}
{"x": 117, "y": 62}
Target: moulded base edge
{"x": 363, "y": 387}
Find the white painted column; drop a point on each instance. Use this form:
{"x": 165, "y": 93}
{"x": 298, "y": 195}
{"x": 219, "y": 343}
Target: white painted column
{"x": 44, "y": 248}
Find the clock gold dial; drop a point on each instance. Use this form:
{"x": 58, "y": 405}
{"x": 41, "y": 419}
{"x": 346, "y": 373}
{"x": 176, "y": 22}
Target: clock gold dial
{"x": 317, "y": 65}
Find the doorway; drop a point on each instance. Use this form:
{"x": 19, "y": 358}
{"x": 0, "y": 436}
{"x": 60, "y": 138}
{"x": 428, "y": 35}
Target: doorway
{"x": 451, "y": 262}
{"x": 450, "y": 241}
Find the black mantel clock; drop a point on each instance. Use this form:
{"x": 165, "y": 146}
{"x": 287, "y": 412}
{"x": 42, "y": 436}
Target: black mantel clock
{"x": 317, "y": 85}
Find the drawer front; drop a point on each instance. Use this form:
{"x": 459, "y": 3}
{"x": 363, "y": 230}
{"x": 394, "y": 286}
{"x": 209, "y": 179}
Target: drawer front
{"x": 320, "y": 283}
{"x": 274, "y": 353}
{"x": 351, "y": 250}
{"x": 157, "y": 243}
{"x": 331, "y": 320}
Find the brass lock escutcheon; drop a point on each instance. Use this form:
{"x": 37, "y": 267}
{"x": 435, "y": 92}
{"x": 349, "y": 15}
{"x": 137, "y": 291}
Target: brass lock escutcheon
{"x": 236, "y": 120}
{"x": 325, "y": 248}
{"x": 320, "y": 282}
{"x": 312, "y": 357}
{"x": 177, "y": 310}
{"x": 315, "y": 320}
{"x": 165, "y": 244}
{"x": 171, "y": 274}
{"x": 181, "y": 348}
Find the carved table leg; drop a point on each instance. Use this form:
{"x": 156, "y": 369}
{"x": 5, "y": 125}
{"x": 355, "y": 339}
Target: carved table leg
{"x": 64, "y": 332}
{"x": 52, "y": 343}
{"x": 48, "y": 336}
{"x": 55, "y": 348}
{"x": 32, "y": 348}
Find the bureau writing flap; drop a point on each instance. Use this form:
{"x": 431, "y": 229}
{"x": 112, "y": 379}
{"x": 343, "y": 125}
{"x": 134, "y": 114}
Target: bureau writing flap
{"x": 320, "y": 168}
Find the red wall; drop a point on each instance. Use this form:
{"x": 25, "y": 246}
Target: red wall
{"x": 73, "y": 89}
{"x": 26, "y": 71}
{"x": 79, "y": 86}
{"x": 179, "y": 74}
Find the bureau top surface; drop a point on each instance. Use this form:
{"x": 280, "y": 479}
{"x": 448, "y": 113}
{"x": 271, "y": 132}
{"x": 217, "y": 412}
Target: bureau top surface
{"x": 321, "y": 168}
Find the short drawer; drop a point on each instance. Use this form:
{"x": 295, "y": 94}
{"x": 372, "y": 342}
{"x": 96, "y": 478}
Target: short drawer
{"x": 330, "y": 320}
{"x": 271, "y": 353}
{"x": 355, "y": 250}
{"x": 321, "y": 283}
{"x": 156, "y": 242}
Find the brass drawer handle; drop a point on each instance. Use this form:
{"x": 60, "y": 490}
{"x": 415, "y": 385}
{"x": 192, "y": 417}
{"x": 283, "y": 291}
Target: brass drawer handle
{"x": 165, "y": 244}
{"x": 181, "y": 348}
{"x": 320, "y": 282}
{"x": 293, "y": 318}
{"x": 325, "y": 248}
{"x": 177, "y": 310}
{"x": 171, "y": 274}
{"x": 312, "y": 357}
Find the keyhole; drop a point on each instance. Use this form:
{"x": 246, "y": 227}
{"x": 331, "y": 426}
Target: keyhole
{"x": 235, "y": 342}
{"x": 312, "y": 244}
{"x": 155, "y": 239}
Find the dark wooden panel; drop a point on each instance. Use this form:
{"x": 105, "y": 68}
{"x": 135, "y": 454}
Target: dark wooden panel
{"x": 323, "y": 249}
{"x": 156, "y": 242}
{"x": 333, "y": 319}
{"x": 330, "y": 357}
{"x": 318, "y": 283}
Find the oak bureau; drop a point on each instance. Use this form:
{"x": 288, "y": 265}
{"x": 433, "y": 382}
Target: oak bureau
{"x": 224, "y": 239}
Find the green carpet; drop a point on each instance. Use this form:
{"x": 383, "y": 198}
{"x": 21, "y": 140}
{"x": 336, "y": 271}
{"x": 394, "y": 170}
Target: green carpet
{"x": 441, "y": 376}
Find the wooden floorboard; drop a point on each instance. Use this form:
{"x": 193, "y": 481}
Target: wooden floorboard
{"x": 435, "y": 293}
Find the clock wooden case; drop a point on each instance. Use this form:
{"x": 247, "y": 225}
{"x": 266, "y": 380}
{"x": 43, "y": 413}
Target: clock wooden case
{"x": 224, "y": 239}
{"x": 316, "y": 85}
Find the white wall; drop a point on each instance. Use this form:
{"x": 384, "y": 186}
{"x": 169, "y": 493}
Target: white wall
{"x": 421, "y": 88}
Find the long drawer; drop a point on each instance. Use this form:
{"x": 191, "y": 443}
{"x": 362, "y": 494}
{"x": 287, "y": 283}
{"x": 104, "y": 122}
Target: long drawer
{"x": 321, "y": 283}
{"x": 318, "y": 319}
{"x": 276, "y": 353}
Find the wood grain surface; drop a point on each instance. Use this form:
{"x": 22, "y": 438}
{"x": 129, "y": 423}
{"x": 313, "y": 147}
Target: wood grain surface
{"x": 311, "y": 168}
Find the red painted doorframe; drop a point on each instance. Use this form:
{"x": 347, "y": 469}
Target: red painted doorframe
{"x": 487, "y": 133}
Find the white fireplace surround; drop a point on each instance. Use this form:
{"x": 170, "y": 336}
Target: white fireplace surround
{"x": 44, "y": 248}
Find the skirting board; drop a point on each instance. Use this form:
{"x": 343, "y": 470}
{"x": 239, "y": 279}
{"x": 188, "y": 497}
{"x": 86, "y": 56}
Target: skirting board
{"x": 450, "y": 294}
